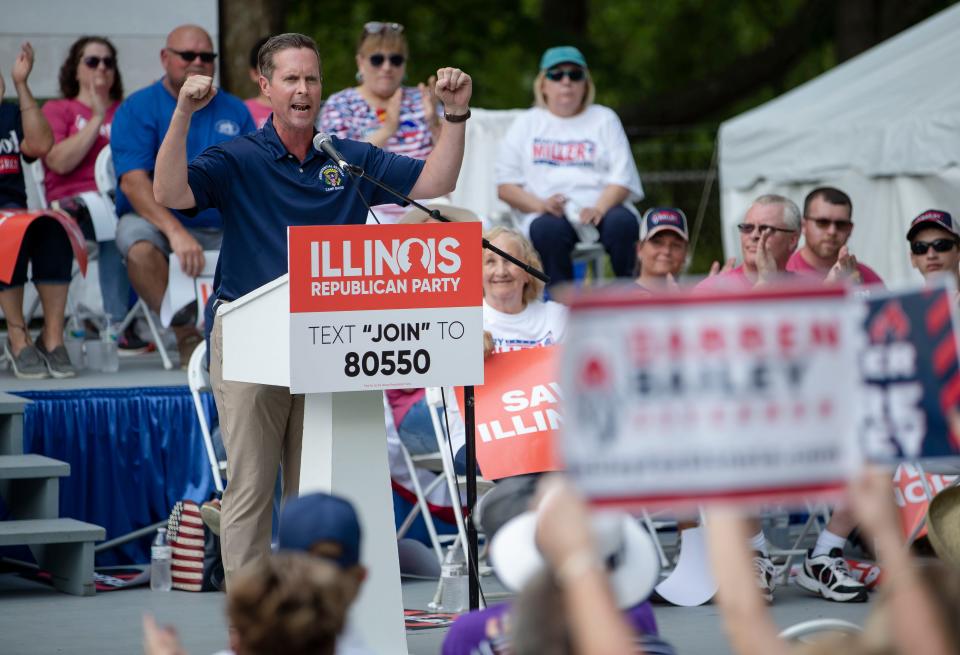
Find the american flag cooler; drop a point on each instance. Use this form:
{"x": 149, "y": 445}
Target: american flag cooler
{"x": 185, "y": 532}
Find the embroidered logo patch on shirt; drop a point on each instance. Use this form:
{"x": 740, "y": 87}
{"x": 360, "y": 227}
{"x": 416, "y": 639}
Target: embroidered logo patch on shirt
{"x": 227, "y": 127}
{"x": 332, "y": 177}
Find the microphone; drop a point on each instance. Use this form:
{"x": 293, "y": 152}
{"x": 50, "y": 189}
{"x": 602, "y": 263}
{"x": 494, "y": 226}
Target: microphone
{"x": 324, "y": 143}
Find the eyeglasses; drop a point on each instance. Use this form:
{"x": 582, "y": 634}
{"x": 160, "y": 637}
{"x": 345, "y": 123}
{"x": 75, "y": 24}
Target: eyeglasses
{"x": 748, "y": 228}
{"x": 575, "y": 74}
{"x": 825, "y": 223}
{"x": 189, "y": 55}
{"x": 939, "y": 245}
{"x": 375, "y": 27}
{"x": 395, "y": 60}
{"x": 94, "y": 62}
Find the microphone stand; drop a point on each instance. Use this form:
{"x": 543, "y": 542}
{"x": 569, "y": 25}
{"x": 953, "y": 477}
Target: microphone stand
{"x": 469, "y": 418}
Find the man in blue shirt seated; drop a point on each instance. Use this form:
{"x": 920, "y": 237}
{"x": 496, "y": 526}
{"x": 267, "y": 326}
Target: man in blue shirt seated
{"x": 148, "y": 232}
{"x": 262, "y": 183}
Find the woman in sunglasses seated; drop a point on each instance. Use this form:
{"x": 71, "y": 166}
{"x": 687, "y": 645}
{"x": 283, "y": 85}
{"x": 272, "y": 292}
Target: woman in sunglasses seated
{"x": 379, "y": 110}
{"x": 92, "y": 90}
{"x": 935, "y": 245}
{"x": 566, "y": 167}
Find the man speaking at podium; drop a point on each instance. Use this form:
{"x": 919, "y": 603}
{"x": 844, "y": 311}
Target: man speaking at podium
{"x": 262, "y": 183}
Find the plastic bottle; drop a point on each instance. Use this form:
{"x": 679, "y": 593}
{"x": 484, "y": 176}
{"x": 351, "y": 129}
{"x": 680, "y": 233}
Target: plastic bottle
{"x": 161, "y": 554}
{"x": 453, "y": 597}
{"x": 111, "y": 360}
{"x": 76, "y": 335}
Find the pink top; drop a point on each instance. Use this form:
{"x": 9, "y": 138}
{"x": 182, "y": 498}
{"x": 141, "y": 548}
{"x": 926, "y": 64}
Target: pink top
{"x": 67, "y": 116}
{"x": 259, "y": 112}
{"x": 797, "y": 264}
{"x": 733, "y": 280}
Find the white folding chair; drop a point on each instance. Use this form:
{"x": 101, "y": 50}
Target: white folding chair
{"x": 33, "y": 177}
{"x": 106, "y": 179}
{"x": 801, "y": 632}
{"x": 199, "y": 381}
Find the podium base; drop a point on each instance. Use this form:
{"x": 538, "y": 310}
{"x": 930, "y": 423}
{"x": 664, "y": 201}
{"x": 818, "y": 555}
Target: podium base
{"x": 345, "y": 453}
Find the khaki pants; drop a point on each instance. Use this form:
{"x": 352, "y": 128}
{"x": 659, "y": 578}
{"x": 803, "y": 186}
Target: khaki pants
{"x": 262, "y": 429}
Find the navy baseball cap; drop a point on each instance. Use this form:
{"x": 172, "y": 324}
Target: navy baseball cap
{"x": 564, "y": 54}
{"x": 306, "y": 520}
{"x": 933, "y": 218}
{"x": 658, "y": 219}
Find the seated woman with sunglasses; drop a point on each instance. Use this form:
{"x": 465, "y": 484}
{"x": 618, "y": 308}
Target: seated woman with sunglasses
{"x": 92, "y": 90}
{"x": 566, "y": 165}
{"x": 935, "y": 245}
{"x": 379, "y": 110}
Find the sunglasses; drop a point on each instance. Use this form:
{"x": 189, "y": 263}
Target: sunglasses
{"x": 575, "y": 74}
{"x": 375, "y": 27}
{"x": 825, "y": 223}
{"x": 940, "y": 245}
{"x": 748, "y": 228}
{"x": 94, "y": 62}
{"x": 395, "y": 60}
{"x": 189, "y": 55}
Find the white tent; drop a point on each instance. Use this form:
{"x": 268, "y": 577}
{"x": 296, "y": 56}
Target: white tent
{"x": 884, "y": 127}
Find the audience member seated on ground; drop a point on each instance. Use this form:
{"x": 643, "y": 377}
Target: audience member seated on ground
{"x": 662, "y": 249}
{"x": 584, "y": 582}
{"x": 380, "y": 110}
{"x": 45, "y": 244}
{"x": 566, "y": 166}
{"x": 259, "y": 105}
{"x": 92, "y": 90}
{"x": 935, "y": 245}
{"x": 148, "y": 233}
{"x": 291, "y": 603}
{"x": 919, "y": 606}
{"x": 768, "y": 236}
{"x": 827, "y": 226}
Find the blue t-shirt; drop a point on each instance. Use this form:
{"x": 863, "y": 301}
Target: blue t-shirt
{"x": 141, "y": 122}
{"x": 261, "y": 188}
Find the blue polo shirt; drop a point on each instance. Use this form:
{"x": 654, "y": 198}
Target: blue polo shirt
{"x": 260, "y": 188}
{"x": 141, "y": 122}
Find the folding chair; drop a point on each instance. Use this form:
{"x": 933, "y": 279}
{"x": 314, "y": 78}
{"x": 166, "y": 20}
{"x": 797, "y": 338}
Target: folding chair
{"x": 199, "y": 381}
{"x": 106, "y": 180}
{"x": 800, "y": 632}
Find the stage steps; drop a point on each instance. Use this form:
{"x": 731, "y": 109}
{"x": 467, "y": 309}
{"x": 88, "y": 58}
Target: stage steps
{"x": 30, "y": 488}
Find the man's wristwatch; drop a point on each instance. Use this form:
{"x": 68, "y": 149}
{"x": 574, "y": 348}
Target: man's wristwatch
{"x": 457, "y": 118}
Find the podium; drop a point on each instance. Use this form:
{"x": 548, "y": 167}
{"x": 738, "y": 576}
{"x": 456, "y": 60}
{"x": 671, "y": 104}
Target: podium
{"x": 344, "y": 452}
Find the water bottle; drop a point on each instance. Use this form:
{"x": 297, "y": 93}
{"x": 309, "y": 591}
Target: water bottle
{"x": 453, "y": 581}
{"x": 110, "y": 359}
{"x": 161, "y": 554}
{"x": 73, "y": 342}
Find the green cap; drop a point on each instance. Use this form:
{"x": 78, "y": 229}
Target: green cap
{"x": 564, "y": 54}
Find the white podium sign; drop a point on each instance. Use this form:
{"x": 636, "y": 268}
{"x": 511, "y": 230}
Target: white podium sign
{"x": 385, "y": 307}
{"x": 682, "y": 399}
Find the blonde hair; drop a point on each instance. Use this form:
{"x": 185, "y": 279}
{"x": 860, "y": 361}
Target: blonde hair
{"x": 387, "y": 41}
{"x": 540, "y": 100}
{"x": 289, "y": 603}
{"x": 532, "y": 288}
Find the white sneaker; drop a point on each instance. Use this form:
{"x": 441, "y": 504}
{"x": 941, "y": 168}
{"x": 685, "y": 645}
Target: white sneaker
{"x": 766, "y": 575}
{"x": 828, "y": 576}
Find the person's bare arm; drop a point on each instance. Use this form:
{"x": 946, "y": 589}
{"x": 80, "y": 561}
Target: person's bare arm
{"x": 37, "y": 135}
{"x": 916, "y": 621}
{"x": 746, "y": 620}
{"x": 66, "y": 155}
{"x": 442, "y": 168}
{"x": 170, "y": 187}
{"x": 522, "y": 200}
{"x": 597, "y": 626}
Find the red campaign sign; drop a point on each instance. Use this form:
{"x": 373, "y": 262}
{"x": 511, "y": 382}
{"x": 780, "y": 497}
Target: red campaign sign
{"x": 364, "y": 267}
{"x": 13, "y": 227}
{"x": 517, "y": 411}
{"x": 911, "y": 498}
